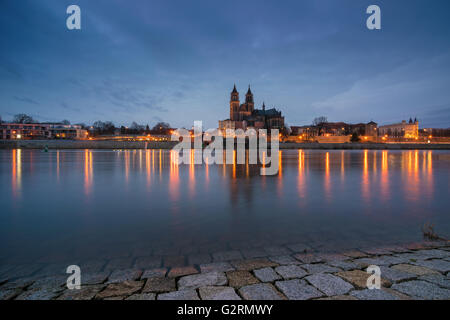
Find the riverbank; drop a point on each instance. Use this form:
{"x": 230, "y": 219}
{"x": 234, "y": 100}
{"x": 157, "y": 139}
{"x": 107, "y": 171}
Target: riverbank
{"x": 293, "y": 272}
{"x": 106, "y": 144}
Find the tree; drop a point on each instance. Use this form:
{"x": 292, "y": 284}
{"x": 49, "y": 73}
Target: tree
{"x": 319, "y": 121}
{"x": 65, "y": 122}
{"x": 354, "y": 137}
{"x": 23, "y": 118}
{"x": 161, "y": 128}
{"x": 101, "y": 127}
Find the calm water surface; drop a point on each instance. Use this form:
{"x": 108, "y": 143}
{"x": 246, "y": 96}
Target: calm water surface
{"x": 81, "y": 204}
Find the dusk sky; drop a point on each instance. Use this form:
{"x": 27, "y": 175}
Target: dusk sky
{"x": 177, "y": 61}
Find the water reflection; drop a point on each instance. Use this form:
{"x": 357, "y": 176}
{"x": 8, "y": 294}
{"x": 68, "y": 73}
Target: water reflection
{"x": 384, "y": 186}
{"x": 365, "y": 182}
{"x": 88, "y": 172}
{"x": 16, "y": 171}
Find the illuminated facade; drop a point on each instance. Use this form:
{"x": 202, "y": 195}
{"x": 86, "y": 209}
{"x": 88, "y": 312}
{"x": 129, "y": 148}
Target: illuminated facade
{"x": 401, "y": 130}
{"x": 27, "y": 131}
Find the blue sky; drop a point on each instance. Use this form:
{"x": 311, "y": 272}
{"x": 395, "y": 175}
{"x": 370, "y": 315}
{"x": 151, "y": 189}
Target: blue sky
{"x": 177, "y": 61}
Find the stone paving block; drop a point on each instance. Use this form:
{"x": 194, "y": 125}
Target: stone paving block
{"x": 308, "y": 258}
{"x": 240, "y": 278}
{"x": 299, "y": 247}
{"x": 159, "y": 285}
{"x": 227, "y": 256}
{"x": 435, "y": 253}
{"x": 417, "y": 270}
{"x": 327, "y": 257}
{"x": 252, "y": 264}
{"x": 422, "y": 290}
{"x": 84, "y": 293}
{"x": 38, "y": 294}
{"x": 266, "y": 275}
{"x": 125, "y": 288}
{"x": 355, "y": 254}
{"x": 218, "y": 293}
{"x": 358, "y": 278}
{"x": 375, "y": 251}
{"x": 154, "y": 273}
{"x": 284, "y": 260}
{"x": 298, "y": 289}
{"x": 142, "y": 296}
{"x": 319, "y": 268}
{"x": 277, "y": 251}
{"x": 124, "y": 275}
{"x": 341, "y": 297}
{"x": 292, "y": 271}
{"x": 399, "y": 295}
{"x": 394, "y": 275}
{"x": 94, "y": 278}
{"x": 51, "y": 270}
{"x": 179, "y": 295}
{"x": 441, "y": 281}
{"x": 199, "y": 258}
{"x": 174, "y": 261}
{"x": 344, "y": 265}
{"x": 365, "y": 262}
{"x": 202, "y": 280}
{"x": 260, "y": 291}
{"x": 253, "y": 253}
{"x": 54, "y": 283}
{"x": 17, "y": 284}
{"x": 416, "y": 246}
{"x": 436, "y": 264}
{"x": 216, "y": 267}
{"x": 329, "y": 284}
{"x": 182, "y": 271}
{"x": 373, "y": 294}
{"x": 23, "y": 271}
{"x": 118, "y": 264}
{"x": 150, "y": 262}
{"x": 391, "y": 260}
{"x": 93, "y": 266}
{"x": 8, "y": 294}
{"x": 115, "y": 298}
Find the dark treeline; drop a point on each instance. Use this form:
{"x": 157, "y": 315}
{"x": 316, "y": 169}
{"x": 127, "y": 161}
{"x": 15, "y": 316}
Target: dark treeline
{"x": 108, "y": 128}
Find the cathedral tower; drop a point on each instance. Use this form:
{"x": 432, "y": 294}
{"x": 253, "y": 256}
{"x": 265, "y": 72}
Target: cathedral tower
{"x": 249, "y": 100}
{"x": 234, "y": 104}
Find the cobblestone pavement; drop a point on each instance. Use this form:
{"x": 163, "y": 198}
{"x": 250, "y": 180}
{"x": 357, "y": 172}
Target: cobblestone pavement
{"x": 294, "y": 272}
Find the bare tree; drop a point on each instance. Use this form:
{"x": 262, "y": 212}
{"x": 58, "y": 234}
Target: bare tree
{"x": 23, "y": 118}
{"x": 319, "y": 121}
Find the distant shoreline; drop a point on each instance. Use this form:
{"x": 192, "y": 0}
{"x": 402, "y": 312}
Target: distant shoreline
{"x": 109, "y": 145}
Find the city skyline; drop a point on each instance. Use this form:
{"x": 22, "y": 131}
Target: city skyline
{"x": 177, "y": 62}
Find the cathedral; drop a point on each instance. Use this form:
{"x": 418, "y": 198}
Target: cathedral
{"x": 244, "y": 116}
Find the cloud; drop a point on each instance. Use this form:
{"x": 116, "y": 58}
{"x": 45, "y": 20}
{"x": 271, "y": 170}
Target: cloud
{"x": 26, "y": 100}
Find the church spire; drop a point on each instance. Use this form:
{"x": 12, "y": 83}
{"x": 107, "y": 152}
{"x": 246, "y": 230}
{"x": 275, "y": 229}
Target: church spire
{"x": 234, "y": 89}
{"x": 249, "y": 91}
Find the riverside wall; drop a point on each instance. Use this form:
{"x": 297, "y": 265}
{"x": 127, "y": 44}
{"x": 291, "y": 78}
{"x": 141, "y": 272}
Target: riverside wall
{"x": 106, "y": 144}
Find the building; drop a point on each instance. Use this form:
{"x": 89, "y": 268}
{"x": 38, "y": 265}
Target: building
{"x": 371, "y": 129}
{"x": 67, "y": 131}
{"x": 12, "y": 131}
{"x": 28, "y": 131}
{"x": 404, "y": 129}
{"x": 335, "y": 129}
{"x": 244, "y": 116}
